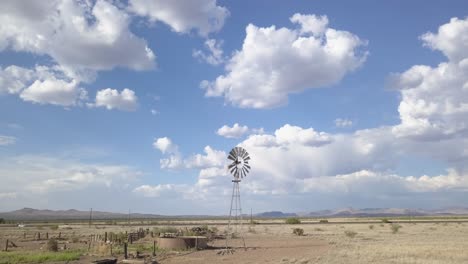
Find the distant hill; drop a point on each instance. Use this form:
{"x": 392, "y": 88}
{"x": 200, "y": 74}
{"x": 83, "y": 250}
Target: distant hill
{"x": 72, "y": 214}
{"x": 275, "y": 214}
{"x": 27, "y": 214}
{"x": 382, "y": 212}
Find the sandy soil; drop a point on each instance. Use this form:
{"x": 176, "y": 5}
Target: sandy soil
{"x": 428, "y": 243}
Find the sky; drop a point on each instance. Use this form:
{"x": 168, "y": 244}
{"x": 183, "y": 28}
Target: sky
{"x": 133, "y": 105}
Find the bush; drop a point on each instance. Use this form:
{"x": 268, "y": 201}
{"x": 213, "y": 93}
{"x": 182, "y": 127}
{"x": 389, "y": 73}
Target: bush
{"x": 2, "y": 221}
{"x": 350, "y": 233}
{"x": 371, "y": 227}
{"x": 385, "y": 220}
{"x": 292, "y": 221}
{"x": 298, "y": 231}
{"x": 323, "y": 221}
{"x": 395, "y": 228}
{"x": 52, "y": 245}
{"x": 54, "y": 227}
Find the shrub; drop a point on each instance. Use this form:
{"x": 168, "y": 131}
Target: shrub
{"x": 323, "y": 221}
{"x": 385, "y": 220}
{"x": 75, "y": 239}
{"x": 298, "y": 231}
{"x": 253, "y": 222}
{"x": 2, "y": 221}
{"x": 395, "y": 228}
{"x": 252, "y": 230}
{"x": 371, "y": 227}
{"x": 318, "y": 229}
{"x": 54, "y": 227}
{"x": 52, "y": 245}
{"x": 350, "y": 233}
{"x": 292, "y": 221}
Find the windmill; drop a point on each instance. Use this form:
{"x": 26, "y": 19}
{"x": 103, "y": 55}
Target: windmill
{"x": 239, "y": 168}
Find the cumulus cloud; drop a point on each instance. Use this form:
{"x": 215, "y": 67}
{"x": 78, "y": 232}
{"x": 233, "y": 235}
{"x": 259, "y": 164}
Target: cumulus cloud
{"x": 274, "y": 63}
{"x": 175, "y": 160}
{"x": 165, "y": 145}
{"x": 65, "y": 30}
{"x": 343, "y": 122}
{"x": 42, "y": 85}
{"x": 7, "y": 140}
{"x": 434, "y": 99}
{"x": 236, "y": 131}
{"x": 212, "y": 158}
{"x": 81, "y": 38}
{"x": 214, "y": 55}
{"x": 40, "y": 174}
{"x": 450, "y": 39}
{"x": 204, "y": 16}
{"x": 125, "y": 100}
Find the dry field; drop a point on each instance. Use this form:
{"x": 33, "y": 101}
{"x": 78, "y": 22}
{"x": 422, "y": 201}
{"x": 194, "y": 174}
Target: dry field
{"x": 339, "y": 241}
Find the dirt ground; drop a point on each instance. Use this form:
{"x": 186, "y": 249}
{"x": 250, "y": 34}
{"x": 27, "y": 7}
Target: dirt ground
{"x": 333, "y": 242}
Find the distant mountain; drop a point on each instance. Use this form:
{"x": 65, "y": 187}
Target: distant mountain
{"x": 275, "y": 214}
{"x": 35, "y": 214}
{"x": 27, "y": 214}
{"x": 381, "y": 212}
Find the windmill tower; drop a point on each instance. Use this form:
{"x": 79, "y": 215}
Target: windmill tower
{"x": 239, "y": 169}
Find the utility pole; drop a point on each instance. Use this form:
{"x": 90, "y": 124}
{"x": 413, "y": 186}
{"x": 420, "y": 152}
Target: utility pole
{"x": 90, "y": 216}
{"x": 129, "y": 216}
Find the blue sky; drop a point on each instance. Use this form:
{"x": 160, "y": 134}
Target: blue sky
{"x": 134, "y": 104}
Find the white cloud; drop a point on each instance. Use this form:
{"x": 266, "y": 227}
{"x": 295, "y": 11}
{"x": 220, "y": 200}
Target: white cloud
{"x": 7, "y": 140}
{"x": 40, "y": 174}
{"x": 157, "y": 190}
{"x": 42, "y": 84}
{"x": 450, "y": 39}
{"x": 434, "y": 99}
{"x": 373, "y": 183}
{"x": 343, "y": 122}
{"x": 109, "y": 98}
{"x": 213, "y": 158}
{"x": 14, "y": 79}
{"x": 274, "y": 63}
{"x": 60, "y": 28}
{"x": 236, "y": 131}
{"x": 214, "y": 55}
{"x": 204, "y": 16}
{"x": 165, "y": 145}
{"x": 54, "y": 91}
{"x": 154, "y": 112}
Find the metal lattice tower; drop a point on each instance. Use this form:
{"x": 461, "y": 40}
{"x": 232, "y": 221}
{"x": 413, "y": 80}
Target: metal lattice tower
{"x": 239, "y": 169}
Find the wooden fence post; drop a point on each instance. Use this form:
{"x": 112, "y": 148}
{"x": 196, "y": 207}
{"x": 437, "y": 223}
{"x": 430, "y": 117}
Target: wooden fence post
{"x": 105, "y": 237}
{"x": 6, "y": 245}
{"x": 154, "y": 248}
{"x": 125, "y": 250}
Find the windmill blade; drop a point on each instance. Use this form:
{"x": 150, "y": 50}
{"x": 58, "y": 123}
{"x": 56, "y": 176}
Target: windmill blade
{"x": 247, "y": 158}
{"x": 232, "y": 156}
{"x": 231, "y": 165}
{"x": 247, "y": 165}
{"x": 233, "y": 169}
{"x": 245, "y": 154}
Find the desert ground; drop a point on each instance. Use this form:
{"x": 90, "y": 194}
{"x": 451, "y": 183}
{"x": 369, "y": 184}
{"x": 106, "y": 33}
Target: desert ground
{"x": 356, "y": 240}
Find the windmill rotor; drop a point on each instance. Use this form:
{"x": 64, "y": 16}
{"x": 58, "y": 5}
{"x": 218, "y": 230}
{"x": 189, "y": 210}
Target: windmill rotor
{"x": 239, "y": 168}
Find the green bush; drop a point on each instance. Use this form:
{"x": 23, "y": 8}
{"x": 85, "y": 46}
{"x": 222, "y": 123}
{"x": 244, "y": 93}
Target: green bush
{"x": 298, "y": 231}
{"x": 385, "y": 220}
{"x": 323, "y": 221}
{"x": 292, "y": 221}
{"x": 54, "y": 227}
{"x": 2, "y": 221}
{"x": 395, "y": 228}
{"x": 371, "y": 227}
{"x": 350, "y": 233}
{"x": 52, "y": 245}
